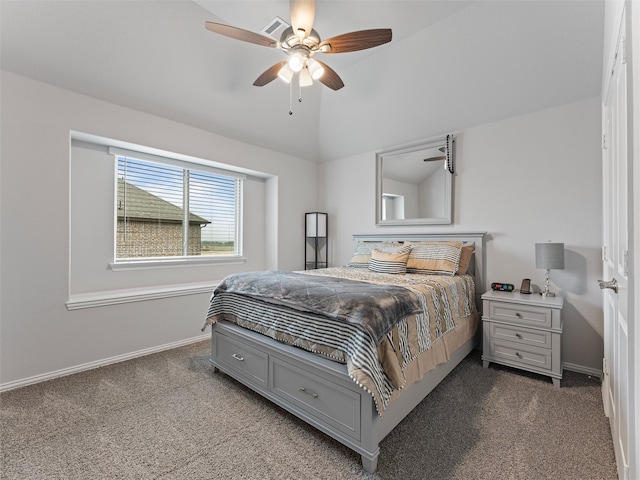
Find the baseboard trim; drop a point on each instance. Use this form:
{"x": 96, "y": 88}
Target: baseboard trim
{"x": 99, "y": 363}
{"x": 168, "y": 346}
{"x": 572, "y": 367}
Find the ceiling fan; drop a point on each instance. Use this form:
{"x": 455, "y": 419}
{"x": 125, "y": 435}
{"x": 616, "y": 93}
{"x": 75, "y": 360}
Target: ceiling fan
{"x": 300, "y": 42}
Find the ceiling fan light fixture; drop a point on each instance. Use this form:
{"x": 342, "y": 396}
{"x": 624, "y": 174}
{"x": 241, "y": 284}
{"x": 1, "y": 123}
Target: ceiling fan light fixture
{"x": 305, "y": 78}
{"x": 296, "y": 61}
{"x": 300, "y": 42}
{"x": 315, "y": 69}
{"x": 286, "y": 73}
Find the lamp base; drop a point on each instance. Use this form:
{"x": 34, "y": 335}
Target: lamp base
{"x": 546, "y": 292}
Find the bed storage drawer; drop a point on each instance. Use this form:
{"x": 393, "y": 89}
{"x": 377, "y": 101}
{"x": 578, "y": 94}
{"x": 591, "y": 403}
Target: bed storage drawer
{"x": 329, "y": 402}
{"x": 246, "y": 360}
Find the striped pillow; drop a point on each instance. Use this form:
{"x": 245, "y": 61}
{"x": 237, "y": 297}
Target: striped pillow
{"x": 362, "y": 256}
{"x": 390, "y": 262}
{"x": 434, "y": 258}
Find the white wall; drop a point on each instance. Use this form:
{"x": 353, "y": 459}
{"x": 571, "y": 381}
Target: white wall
{"x": 39, "y": 336}
{"x": 524, "y": 180}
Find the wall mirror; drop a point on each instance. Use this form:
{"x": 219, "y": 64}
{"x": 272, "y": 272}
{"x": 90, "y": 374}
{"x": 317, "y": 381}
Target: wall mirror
{"x": 414, "y": 183}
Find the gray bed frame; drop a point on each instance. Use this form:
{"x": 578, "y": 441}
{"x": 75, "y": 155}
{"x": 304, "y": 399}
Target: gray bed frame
{"x": 319, "y": 391}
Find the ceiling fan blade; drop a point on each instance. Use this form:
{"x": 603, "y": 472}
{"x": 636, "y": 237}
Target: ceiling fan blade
{"x": 434, "y": 158}
{"x": 269, "y": 75}
{"x": 354, "y": 41}
{"x": 240, "y": 34}
{"x": 330, "y": 78}
{"x": 303, "y": 13}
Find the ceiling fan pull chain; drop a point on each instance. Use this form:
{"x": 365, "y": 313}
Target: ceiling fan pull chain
{"x": 300, "y": 92}
{"x": 290, "y": 98}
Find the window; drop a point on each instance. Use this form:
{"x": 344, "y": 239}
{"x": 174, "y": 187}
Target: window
{"x": 175, "y": 209}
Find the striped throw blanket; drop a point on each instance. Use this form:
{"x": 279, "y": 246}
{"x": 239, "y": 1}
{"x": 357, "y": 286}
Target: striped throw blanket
{"x": 374, "y": 308}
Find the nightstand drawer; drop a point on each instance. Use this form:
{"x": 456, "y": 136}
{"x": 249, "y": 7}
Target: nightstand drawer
{"x": 521, "y": 354}
{"x": 520, "y": 314}
{"x": 520, "y": 335}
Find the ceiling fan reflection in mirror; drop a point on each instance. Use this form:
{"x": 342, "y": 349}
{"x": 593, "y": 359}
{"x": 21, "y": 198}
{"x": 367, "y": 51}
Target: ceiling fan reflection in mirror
{"x": 300, "y": 42}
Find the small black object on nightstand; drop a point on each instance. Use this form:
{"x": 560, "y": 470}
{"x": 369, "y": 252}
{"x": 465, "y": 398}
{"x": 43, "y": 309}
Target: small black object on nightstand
{"x": 502, "y": 287}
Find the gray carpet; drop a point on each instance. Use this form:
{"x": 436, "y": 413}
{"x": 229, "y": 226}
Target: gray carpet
{"x": 169, "y": 416}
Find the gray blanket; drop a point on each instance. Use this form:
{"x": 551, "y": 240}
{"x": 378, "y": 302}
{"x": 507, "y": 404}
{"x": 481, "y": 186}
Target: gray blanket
{"x": 372, "y": 307}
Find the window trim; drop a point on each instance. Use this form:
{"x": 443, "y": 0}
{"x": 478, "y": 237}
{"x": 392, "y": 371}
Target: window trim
{"x": 126, "y": 264}
{"x": 164, "y": 262}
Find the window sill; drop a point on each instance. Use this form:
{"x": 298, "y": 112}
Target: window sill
{"x": 116, "y": 297}
{"x": 175, "y": 262}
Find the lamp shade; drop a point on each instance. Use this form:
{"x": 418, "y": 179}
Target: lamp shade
{"x": 316, "y": 224}
{"x": 550, "y": 255}
{"x": 315, "y": 69}
{"x": 296, "y": 61}
{"x": 305, "y": 78}
{"x": 286, "y": 73}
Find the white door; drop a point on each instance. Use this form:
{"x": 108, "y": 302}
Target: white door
{"x": 616, "y": 266}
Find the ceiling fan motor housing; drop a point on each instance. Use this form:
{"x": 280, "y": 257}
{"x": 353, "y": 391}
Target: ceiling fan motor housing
{"x": 289, "y": 39}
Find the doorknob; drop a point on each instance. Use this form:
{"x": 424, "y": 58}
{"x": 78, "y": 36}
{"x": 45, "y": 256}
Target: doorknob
{"x": 613, "y": 284}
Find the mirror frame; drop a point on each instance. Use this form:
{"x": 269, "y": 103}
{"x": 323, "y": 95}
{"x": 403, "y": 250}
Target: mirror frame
{"x": 408, "y": 148}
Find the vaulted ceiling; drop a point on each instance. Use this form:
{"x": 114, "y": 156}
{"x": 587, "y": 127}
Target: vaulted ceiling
{"x": 451, "y": 65}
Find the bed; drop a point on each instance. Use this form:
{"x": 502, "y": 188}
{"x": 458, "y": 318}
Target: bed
{"x": 352, "y": 350}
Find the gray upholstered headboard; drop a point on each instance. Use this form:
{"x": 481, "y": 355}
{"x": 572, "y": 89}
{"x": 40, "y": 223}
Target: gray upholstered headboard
{"x": 476, "y": 267}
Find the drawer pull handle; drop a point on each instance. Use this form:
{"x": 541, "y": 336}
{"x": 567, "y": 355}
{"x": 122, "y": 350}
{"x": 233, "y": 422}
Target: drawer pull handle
{"x": 237, "y": 357}
{"x": 518, "y": 335}
{"x": 303, "y": 390}
{"x": 518, "y": 314}
{"x": 518, "y": 355}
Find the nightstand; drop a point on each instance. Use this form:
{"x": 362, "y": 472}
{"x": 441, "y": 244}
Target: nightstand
{"x": 523, "y": 331}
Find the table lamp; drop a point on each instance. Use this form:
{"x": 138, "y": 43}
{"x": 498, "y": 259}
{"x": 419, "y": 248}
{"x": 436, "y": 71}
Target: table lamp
{"x": 551, "y": 257}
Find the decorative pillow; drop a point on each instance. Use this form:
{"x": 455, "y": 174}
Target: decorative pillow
{"x": 390, "y": 262}
{"x": 465, "y": 258}
{"x": 434, "y": 258}
{"x": 362, "y": 256}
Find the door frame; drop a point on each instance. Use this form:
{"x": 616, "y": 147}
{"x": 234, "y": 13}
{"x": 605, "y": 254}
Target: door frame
{"x": 633, "y": 134}
{"x": 614, "y": 14}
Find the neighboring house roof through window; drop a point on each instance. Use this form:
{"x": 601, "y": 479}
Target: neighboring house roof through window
{"x": 144, "y": 206}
